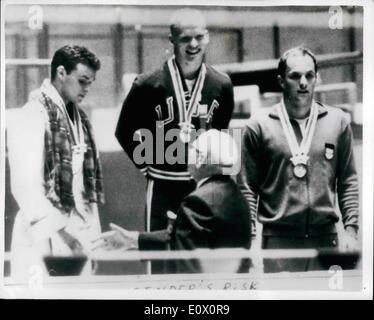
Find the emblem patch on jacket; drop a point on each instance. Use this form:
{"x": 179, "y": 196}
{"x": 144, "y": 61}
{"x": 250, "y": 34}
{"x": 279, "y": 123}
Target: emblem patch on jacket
{"x": 329, "y": 151}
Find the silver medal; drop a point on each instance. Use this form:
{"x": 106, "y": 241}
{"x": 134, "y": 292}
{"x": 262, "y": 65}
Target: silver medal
{"x": 299, "y": 151}
{"x": 299, "y": 170}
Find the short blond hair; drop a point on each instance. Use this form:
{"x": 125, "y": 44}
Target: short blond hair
{"x": 186, "y": 18}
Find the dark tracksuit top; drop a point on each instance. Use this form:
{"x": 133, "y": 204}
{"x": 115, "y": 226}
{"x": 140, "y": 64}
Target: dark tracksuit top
{"x": 152, "y": 99}
{"x": 213, "y": 216}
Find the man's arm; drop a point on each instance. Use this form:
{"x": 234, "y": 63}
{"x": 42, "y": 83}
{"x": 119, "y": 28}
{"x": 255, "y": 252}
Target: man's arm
{"x": 347, "y": 184}
{"x": 248, "y": 176}
{"x": 194, "y": 222}
{"x": 131, "y": 119}
{"x": 26, "y": 161}
{"x": 222, "y": 117}
{"x": 121, "y": 239}
{"x": 154, "y": 240}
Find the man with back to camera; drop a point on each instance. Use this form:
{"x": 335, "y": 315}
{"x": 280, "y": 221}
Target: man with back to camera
{"x": 186, "y": 94}
{"x": 213, "y": 216}
{"x": 297, "y": 157}
{"x": 55, "y": 169}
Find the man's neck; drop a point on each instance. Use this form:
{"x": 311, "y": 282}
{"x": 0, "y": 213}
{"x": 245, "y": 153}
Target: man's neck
{"x": 297, "y": 111}
{"x": 204, "y": 174}
{"x": 189, "y": 70}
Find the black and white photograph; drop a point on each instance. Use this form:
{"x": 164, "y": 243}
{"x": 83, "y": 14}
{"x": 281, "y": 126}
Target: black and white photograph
{"x": 186, "y": 150}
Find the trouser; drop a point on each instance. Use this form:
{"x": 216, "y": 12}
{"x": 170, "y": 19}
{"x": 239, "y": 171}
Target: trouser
{"x": 164, "y": 195}
{"x": 296, "y": 264}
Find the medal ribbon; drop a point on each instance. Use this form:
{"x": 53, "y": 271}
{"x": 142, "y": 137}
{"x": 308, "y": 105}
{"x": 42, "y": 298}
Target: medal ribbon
{"x": 184, "y": 112}
{"x": 77, "y": 134}
{"x": 75, "y": 131}
{"x": 306, "y": 141}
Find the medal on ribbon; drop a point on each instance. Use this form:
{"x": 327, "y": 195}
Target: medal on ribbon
{"x": 79, "y": 148}
{"x": 185, "y": 131}
{"x": 299, "y": 171}
{"x": 186, "y": 111}
{"x": 300, "y": 151}
{"x": 300, "y": 162}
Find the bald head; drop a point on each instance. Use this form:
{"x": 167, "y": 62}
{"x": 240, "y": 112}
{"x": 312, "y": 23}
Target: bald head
{"x": 217, "y": 148}
{"x": 213, "y": 152}
{"x": 186, "y": 18}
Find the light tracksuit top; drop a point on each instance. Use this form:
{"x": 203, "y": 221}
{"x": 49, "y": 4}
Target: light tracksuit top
{"x": 291, "y": 206}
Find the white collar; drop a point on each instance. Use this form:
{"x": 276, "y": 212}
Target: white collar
{"x": 200, "y": 182}
{"x": 76, "y": 128}
{"x": 49, "y": 89}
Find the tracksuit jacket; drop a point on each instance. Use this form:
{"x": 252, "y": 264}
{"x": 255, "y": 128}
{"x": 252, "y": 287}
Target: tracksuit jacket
{"x": 300, "y": 207}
